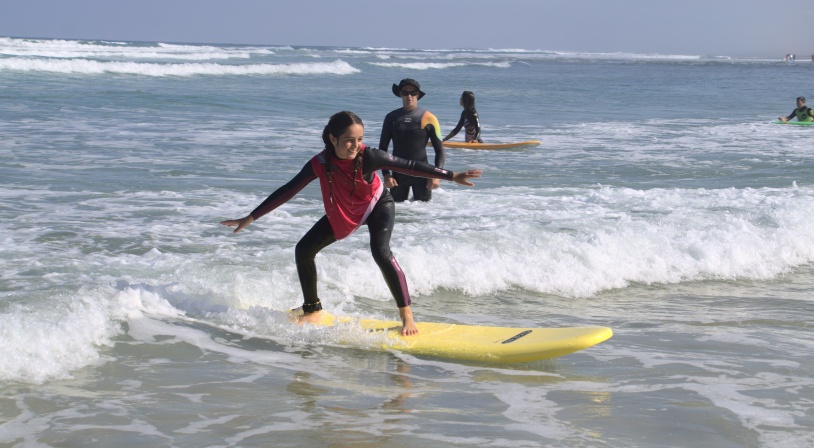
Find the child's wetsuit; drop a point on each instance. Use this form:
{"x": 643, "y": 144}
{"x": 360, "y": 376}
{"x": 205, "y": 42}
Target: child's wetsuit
{"x": 351, "y": 198}
{"x": 469, "y": 121}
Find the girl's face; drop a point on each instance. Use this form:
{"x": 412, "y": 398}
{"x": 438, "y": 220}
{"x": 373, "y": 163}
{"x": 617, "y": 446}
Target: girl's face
{"x": 347, "y": 145}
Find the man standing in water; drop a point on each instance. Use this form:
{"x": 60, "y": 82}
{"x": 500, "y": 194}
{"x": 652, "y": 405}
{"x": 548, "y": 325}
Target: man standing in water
{"x": 410, "y": 128}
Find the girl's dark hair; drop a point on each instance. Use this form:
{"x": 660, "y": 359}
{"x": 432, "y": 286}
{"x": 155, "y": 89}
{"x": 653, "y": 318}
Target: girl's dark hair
{"x": 337, "y": 125}
{"x": 468, "y": 99}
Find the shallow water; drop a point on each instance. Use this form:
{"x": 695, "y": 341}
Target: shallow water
{"x": 661, "y": 203}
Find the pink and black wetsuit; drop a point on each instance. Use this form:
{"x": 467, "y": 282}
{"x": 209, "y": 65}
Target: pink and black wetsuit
{"x": 350, "y": 201}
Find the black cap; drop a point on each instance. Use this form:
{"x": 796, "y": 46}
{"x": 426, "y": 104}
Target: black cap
{"x": 801, "y": 98}
{"x": 405, "y": 82}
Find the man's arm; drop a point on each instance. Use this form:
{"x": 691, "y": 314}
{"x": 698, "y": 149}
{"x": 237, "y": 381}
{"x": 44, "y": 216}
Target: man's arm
{"x": 430, "y": 124}
{"x": 384, "y": 139}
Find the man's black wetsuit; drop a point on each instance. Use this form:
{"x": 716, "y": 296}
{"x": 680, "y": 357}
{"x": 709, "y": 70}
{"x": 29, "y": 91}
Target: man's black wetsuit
{"x": 410, "y": 132}
{"x": 379, "y": 222}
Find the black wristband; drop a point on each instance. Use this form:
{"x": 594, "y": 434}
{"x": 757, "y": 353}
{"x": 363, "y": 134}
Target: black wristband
{"x": 309, "y": 308}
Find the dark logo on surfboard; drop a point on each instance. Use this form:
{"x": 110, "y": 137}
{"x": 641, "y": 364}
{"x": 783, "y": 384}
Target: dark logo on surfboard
{"x": 516, "y": 337}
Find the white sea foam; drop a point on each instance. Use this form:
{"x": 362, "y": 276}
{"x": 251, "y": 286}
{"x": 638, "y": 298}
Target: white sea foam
{"x": 71, "y": 49}
{"x": 438, "y": 65}
{"x": 50, "y": 339}
{"x": 526, "y": 54}
{"x": 88, "y": 67}
{"x": 609, "y": 238}
{"x": 352, "y": 51}
{"x": 626, "y": 56}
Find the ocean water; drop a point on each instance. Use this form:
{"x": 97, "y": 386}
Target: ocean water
{"x": 662, "y": 203}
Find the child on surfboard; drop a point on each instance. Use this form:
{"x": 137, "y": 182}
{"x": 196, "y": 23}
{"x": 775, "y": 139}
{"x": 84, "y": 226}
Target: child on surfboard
{"x": 353, "y": 195}
{"x": 469, "y": 120}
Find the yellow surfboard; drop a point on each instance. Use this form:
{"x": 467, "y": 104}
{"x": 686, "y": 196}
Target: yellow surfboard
{"x": 517, "y": 145}
{"x": 480, "y": 343}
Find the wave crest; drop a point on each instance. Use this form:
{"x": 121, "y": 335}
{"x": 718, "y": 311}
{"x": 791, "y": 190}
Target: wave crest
{"x": 82, "y": 66}
{"x": 438, "y": 65}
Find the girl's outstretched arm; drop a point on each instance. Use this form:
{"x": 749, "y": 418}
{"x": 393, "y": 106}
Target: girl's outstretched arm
{"x": 276, "y": 199}
{"x": 464, "y": 176}
{"x": 241, "y": 223}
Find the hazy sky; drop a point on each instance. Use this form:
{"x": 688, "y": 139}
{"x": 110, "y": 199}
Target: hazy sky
{"x": 705, "y": 27}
